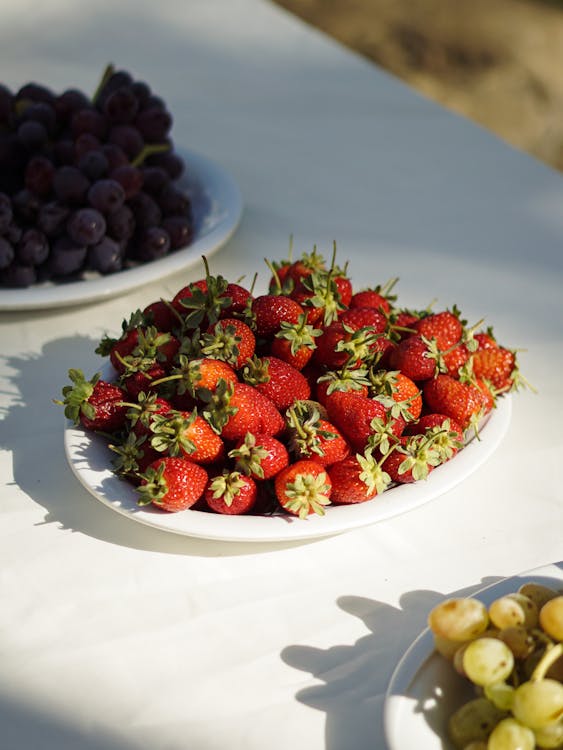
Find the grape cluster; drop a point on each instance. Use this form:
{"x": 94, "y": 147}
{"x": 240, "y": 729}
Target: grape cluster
{"x": 87, "y": 184}
{"x": 512, "y": 652}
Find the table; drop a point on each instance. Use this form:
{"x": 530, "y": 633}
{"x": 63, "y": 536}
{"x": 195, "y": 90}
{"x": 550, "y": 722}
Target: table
{"x": 115, "y": 636}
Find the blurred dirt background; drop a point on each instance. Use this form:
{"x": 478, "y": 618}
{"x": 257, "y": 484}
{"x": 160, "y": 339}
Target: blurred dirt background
{"x": 498, "y": 62}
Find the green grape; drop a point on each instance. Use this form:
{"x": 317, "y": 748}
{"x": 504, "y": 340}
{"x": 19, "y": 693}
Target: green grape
{"x": 509, "y": 734}
{"x": 458, "y": 619}
{"x": 550, "y": 736}
{"x": 519, "y": 641}
{"x": 445, "y": 647}
{"x": 513, "y": 610}
{"x": 551, "y": 618}
{"x": 538, "y": 593}
{"x": 487, "y": 661}
{"x": 473, "y": 722}
{"x": 476, "y": 745}
{"x": 500, "y": 694}
{"x": 538, "y": 703}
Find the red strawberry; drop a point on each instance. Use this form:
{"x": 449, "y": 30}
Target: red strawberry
{"x": 95, "y": 403}
{"x": 180, "y": 433}
{"x": 140, "y": 381}
{"x": 370, "y": 298}
{"x": 240, "y": 299}
{"x": 271, "y": 310}
{"x": 364, "y": 317}
{"x": 311, "y": 436}
{"x": 455, "y": 359}
{"x": 302, "y": 488}
{"x": 186, "y": 293}
{"x": 341, "y": 345}
{"x": 238, "y": 408}
{"x": 197, "y": 377}
{"x": 357, "y": 479}
{"x": 172, "y": 484}
{"x": 162, "y": 315}
{"x": 260, "y": 456}
{"x": 414, "y": 359}
{"x": 412, "y": 460}
{"x": 231, "y": 493}
{"x": 485, "y": 340}
{"x": 141, "y": 413}
{"x": 139, "y": 348}
{"x": 446, "y": 434}
{"x": 353, "y": 415}
{"x": 344, "y": 289}
{"x": 295, "y": 342}
{"x": 496, "y": 365}
{"x": 276, "y": 379}
{"x": 445, "y": 327}
{"x": 230, "y": 340}
{"x": 401, "y": 389}
{"x": 463, "y": 402}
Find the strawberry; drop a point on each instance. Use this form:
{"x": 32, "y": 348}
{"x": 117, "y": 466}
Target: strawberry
{"x": 303, "y": 487}
{"x": 496, "y": 365}
{"x": 180, "y": 433}
{"x": 320, "y": 297}
{"x": 455, "y": 359}
{"x": 311, "y": 436}
{"x": 139, "y": 348}
{"x": 183, "y": 297}
{"x": 357, "y": 479}
{"x": 201, "y": 304}
{"x": 295, "y": 342}
{"x": 95, "y": 403}
{"x": 353, "y": 414}
{"x": 172, "y": 484}
{"x": 341, "y": 380}
{"x": 485, "y": 340}
{"x": 412, "y": 460}
{"x": 446, "y": 434}
{"x": 230, "y": 340}
{"x": 370, "y": 298}
{"x": 197, "y": 377}
{"x": 259, "y": 456}
{"x": 279, "y": 381}
{"x": 141, "y": 413}
{"x": 239, "y": 298}
{"x": 340, "y": 345}
{"x": 308, "y": 264}
{"x": 414, "y": 358}
{"x": 400, "y": 388}
{"x": 162, "y": 315}
{"x": 271, "y": 310}
{"x": 136, "y": 381}
{"x": 445, "y": 327}
{"x": 364, "y": 317}
{"x": 231, "y": 493}
{"x": 237, "y": 408}
{"x": 134, "y": 455}
{"x": 463, "y": 402}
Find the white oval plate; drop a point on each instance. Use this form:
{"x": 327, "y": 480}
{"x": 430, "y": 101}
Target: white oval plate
{"x": 90, "y": 459}
{"x": 217, "y": 206}
{"x": 424, "y": 689}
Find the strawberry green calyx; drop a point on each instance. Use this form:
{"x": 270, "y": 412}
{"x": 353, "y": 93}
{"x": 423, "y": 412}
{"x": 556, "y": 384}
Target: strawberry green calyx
{"x": 206, "y": 304}
{"x": 218, "y": 409}
{"x": 256, "y": 370}
{"x": 169, "y": 433}
{"x": 227, "y": 486}
{"x": 249, "y": 456}
{"x": 155, "y": 486}
{"x": 382, "y": 436}
{"x": 305, "y": 431}
{"x": 135, "y": 320}
{"x": 444, "y": 440}
{"x": 420, "y": 455}
{"x": 324, "y": 294}
{"x": 143, "y": 411}
{"x": 360, "y": 346}
{"x": 300, "y": 334}
{"x": 222, "y": 343}
{"x": 75, "y": 397}
{"x": 345, "y": 379}
{"x": 307, "y": 493}
{"x": 129, "y": 453}
{"x": 372, "y": 475}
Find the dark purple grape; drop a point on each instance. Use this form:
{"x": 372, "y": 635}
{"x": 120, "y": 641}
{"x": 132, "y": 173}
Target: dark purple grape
{"x": 6, "y": 253}
{"x": 26, "y": 205}
{"x": 14, "y": 233}
{"x": 106, "y": 196}
{"x": 32, "y": 135}
{"x": 155, "y": 178}
{"x": 35, "y": 92}
{"x": 146, "y": 211}
{"x": 154, "y": 124}
{"x": 52, "y": 218}
{"x": 106, "y": 256}
{"x": 86, "y": 226}
{"x": 180, "y": 230}
{"x": 173, "y": 201}
{"x": 70, "y": 185}
{"x": 155, "y": 101}
{"x": 39, "y": 174}
{"x": 88, "y": 120}
{"x": 84, "y": 143}
{"x": 43, "y": 113}
{"x": 121, "y": 106}
{"x": 63, "y": 152}
{"x": 117, "y": 80}
{"x": 6, "y": 110}
{"x": 153, "y": 243}
{"x": 33, "y": 248}
{"x": 66, "y": 257}
{"x": 142, "y": 92}
{"x": 68, "y": 102}
{"x": 17, "y": 276}
{"x": 6, "y": 212}
{"x": 116, "y": 156}
{"x": 121, "y": 224}
{"x": 94, "y": 165}
{"x": 130, "y": 178}
{"x": 169, "y": 161}
{"x": 128, "y": 138}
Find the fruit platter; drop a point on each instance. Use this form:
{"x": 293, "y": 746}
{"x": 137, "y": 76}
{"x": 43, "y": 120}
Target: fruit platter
{"x": 96, "y": 199}
{"x": 304, "y": 410}
{"x": 487, "y": 674}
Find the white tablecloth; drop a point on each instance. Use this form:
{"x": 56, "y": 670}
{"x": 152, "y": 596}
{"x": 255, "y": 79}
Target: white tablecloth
{"x": 116, "y": 636}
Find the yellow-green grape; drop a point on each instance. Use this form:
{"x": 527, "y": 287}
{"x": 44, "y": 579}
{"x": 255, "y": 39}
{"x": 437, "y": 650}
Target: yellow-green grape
{"x": 518, "y": 640}
{"x": 473, "y": 722}
{"x": 538, "y": 703}
{"x": 509, "y": 734}
{"x": 487, "y": 660}
{"x": 458, "y": 619}
{"x": 500, "y": 694}
{"x": 513, "y": 609}
{"x": 476, "y": 745}
{"x": 551, "y": 618}
{"x": 550, "y": 736}
{"x": 445, "y": 647}
{"x": 538, "y": 593}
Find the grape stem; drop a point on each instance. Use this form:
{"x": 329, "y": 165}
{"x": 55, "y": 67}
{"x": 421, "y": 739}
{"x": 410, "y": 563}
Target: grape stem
{"x": 550, "y": 656}
{"x": 107, "y": 74}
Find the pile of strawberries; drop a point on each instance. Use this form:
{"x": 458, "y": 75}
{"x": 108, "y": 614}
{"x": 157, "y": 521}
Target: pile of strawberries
{"x": 309, "y": 395}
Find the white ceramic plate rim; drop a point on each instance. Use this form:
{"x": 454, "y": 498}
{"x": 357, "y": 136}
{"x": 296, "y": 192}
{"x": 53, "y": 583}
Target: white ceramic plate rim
{"x": 218, "y": 207}
{"x": 90, "y": 458}
{"x": 400, "y": 707}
